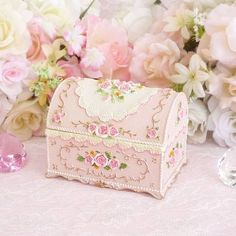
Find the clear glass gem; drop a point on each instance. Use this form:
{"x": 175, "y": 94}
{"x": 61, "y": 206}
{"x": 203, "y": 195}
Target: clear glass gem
{"x": 12, "y": 153}
{"x": 227, "y": 167}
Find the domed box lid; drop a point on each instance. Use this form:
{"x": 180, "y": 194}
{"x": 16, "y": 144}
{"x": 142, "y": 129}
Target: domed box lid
{"x": 112, "y": 112}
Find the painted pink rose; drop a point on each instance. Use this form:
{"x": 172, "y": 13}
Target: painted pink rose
{"x": 106, "y": 84}
{"x": 92, "y": 128}
{"x": 102, "y": 131}
{"x": 38, "y": 38}
{"x": 152, "y": 133}
{"x": 125, "y": 87}
{"x": 113, "y": 163}
{"x": 89, "y": 160}
{"x": 100, "y": 160}
{"x": 57, "y": 117}
{"x": 113, "y": 132}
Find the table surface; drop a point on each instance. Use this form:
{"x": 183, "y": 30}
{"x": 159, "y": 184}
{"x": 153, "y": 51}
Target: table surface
{"x": 197, "y": 204}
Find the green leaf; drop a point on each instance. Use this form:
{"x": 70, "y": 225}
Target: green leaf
{"x": 123, "y": 166}
{"x": 157, "y": 2}
{"x": 86, "y": 10}
{"x": 108, "y": 155}
{"x": 80, "y": 158}
{"x": 107, "y": 167}
{"x": 178, "y": 87}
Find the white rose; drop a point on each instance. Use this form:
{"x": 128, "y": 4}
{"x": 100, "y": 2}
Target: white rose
{"x": 135, "y": 16}
{"x": 197, "y": 126}
{"x": 14, "y": 35}
{"x": 25, "y": 119}
{"x": 223, "y": 124}
{"x": 55, "y": 15}
{"x": 137, "y": 22}
{"x": 4, "y": 108}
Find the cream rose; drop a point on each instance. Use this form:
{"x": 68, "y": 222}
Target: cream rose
{"x": 222, "y": 85}
{"x": 25, "y": 119}
{"x": 14, "y": 35}
{"x": 197, "y": 126}
{"x": 223, "y": 124}
{"x": 55, "y": 15}
{"x": 4, "y": 108}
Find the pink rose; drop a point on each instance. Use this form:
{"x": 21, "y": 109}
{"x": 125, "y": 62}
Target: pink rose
{"x": 113, "y": 163}
{"x": 125, "y": 87}
{"x": 70, "y": 67}
{"x": 152, "y": 133}
{"x": 92, "y": 128}
{"x": 89, "y": 160}
{"x": 154, "y": 57}
{"x": 112, "y": 41}
{"x": 13, "y": 71}
{"x": 102, "y": 131}
{"x": 113, "y": 132}
{"x": 38, "y": 38}
{"x": 100, "y": 160}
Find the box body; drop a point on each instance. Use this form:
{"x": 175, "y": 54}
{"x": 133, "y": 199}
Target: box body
{"x": 117, "y": 134}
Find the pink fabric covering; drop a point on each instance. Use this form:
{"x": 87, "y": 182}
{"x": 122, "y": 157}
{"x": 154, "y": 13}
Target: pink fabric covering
{"x": 197, "y": 204}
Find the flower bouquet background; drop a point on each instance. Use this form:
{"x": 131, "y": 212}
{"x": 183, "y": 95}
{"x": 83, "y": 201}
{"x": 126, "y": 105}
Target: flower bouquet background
{"x": 187, "y": 45}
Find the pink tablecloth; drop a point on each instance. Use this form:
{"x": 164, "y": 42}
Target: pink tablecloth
{"x": 197, "y": 204}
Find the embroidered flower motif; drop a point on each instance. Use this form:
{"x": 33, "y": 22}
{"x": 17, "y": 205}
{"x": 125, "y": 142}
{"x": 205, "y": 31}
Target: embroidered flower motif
{"x": 98, "y": 160}
{"x": 113, "y": 132}
{"x": 116, "y": 90}
{"x": 57, "y": 116}
{"x": 102, "y": 131}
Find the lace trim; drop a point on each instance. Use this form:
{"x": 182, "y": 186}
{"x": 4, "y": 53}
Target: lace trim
{"x": 95, "y": 106}
{"x": 139, "y": 146}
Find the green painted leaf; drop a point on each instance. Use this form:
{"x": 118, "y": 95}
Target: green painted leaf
{"x": 107, "y": 167}
{"x": 80, "y": 158}
{"x": 108, "y": 155}
{"x": 123, "y": 166}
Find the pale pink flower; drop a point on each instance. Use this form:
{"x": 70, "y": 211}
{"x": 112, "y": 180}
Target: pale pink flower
{"x": 152, "y": 133}
{"x": 70, "y": 67}
{"x": 112, "y": 41}
{"x": 113, "y": 164}
{"x": 92, "y": 62}
{"x": 220, "y": 26}
{"x": 105, "y": 84}
{"x": 153, "y": 60}
{"x": 57, "y": 116}
{"x": 38, "y": 38}
{"x": 102, "y": 131}
{"x": 92, "y": 128}
{"x": 13, "y": 71}
{"x": 113, "y": 132}
{"x": 76, "y": 39}
{"x": 100, "y": 160}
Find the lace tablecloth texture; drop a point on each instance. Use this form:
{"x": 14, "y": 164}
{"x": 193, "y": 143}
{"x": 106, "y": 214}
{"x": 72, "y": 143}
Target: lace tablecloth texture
{"x": 197, "y": 204}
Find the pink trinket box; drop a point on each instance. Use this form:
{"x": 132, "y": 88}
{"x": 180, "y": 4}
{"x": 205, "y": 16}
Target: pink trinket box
{"x": 117, "y": 134}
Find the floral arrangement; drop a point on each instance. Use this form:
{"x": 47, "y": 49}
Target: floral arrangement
{"x": 180, "y": 44}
